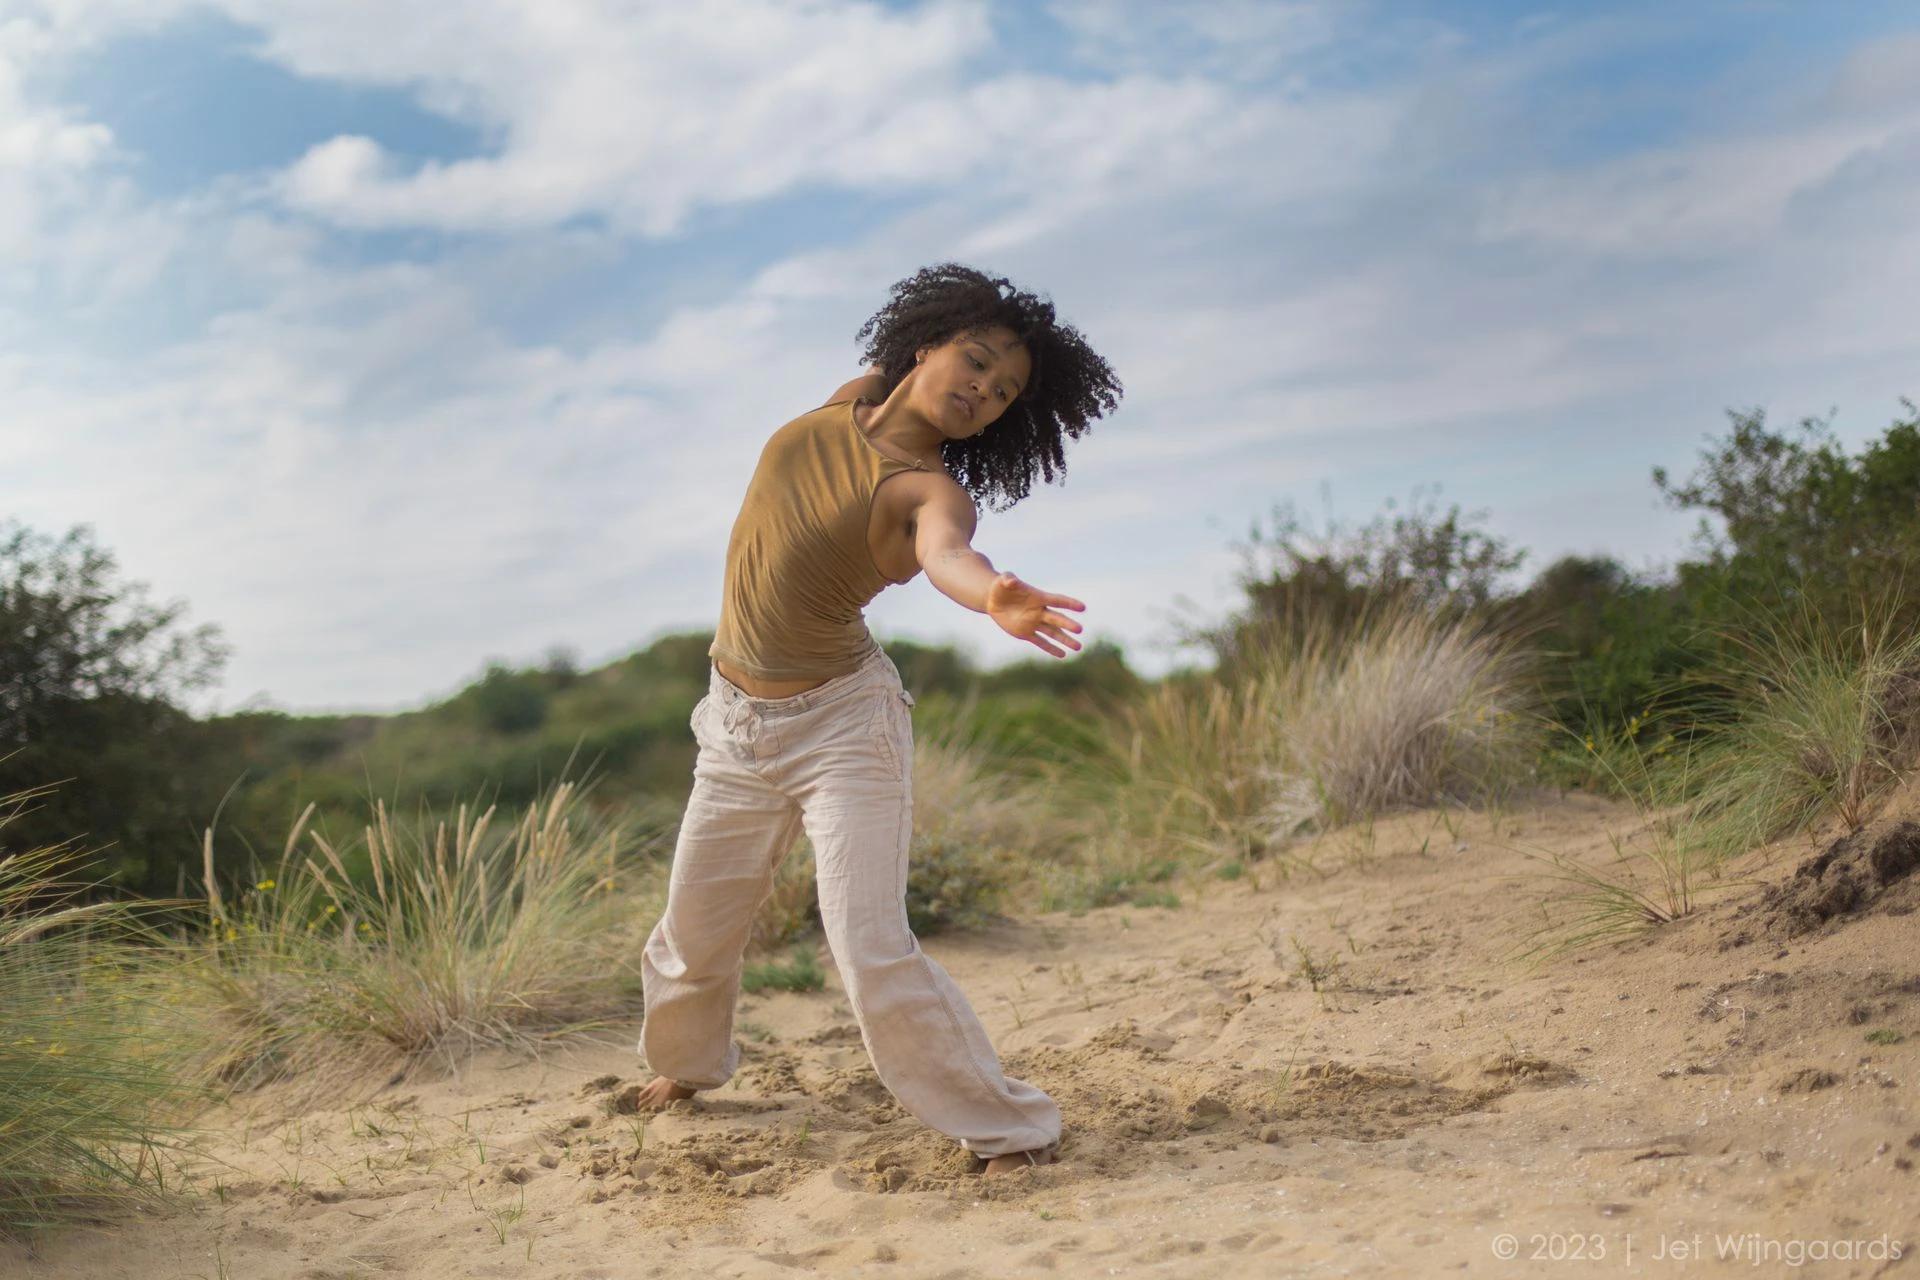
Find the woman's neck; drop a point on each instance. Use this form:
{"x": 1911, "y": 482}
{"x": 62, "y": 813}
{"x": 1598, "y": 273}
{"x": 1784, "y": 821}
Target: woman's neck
{"x": 909, "y": 434}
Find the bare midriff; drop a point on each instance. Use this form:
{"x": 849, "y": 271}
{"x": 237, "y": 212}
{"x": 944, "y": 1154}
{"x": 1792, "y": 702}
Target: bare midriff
{"x": 765, "y": 688}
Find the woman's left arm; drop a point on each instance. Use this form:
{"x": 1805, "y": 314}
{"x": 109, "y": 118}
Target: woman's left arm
{"x": 872, "y": 384}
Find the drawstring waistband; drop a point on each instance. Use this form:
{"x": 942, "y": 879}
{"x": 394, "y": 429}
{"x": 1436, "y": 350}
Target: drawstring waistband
{"x": 742, "y": 710}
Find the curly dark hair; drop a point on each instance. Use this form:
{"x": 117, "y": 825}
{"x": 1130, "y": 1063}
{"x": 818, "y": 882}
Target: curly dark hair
{"x": 1069, "y": 385}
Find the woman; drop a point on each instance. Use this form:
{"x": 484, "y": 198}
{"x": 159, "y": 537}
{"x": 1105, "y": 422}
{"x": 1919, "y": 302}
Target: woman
{"x": 805, "y": 724}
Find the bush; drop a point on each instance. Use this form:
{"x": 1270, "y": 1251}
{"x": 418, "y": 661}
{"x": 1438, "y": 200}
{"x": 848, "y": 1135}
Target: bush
{"x": 954, "y": 885}
{"x": 509, "y": 701}
{"x": 1804, "y": 522}
{"x": 1300, "y": 583}
{"x": 90, "y": 677}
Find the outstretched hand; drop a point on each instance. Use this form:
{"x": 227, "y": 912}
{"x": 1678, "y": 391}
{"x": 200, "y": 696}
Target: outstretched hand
{"x": 1027, "y": 613}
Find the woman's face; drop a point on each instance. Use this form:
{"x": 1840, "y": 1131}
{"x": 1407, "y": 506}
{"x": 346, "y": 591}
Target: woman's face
{"x": 963, "y": 385}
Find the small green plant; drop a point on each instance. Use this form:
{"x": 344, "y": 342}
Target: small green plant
{"x": 1071, "y": 975}
{"x": 801, "y": 971}
{"x": 1317, "y": 970}
{"x": 503, "y": 1217}
{"x": 1885, "y": 1035}
{"x": 1639, "y": 890}
{"x": 1644, "y": 885}
{"x": 1283, "y": 1080}
{"x": 639, "y": 1130}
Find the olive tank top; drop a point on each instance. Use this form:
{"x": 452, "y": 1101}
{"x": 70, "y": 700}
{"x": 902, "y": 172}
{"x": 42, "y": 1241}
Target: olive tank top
{"x": 798, "y": 571}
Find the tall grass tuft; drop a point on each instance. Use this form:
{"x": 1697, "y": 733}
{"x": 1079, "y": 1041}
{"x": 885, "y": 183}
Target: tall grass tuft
{"x": 1406, "y": 709}
{"x": 458, "y": 935}
{"x": 94, "y": 1089}
{"x": 1818, "y": 721}
{"x": 1182, "y": 774}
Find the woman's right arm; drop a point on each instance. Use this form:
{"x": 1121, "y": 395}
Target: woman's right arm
{"x": 943, "y": 543}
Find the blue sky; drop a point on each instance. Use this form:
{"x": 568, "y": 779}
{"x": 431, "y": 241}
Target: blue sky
{"x": 400, "y": 337}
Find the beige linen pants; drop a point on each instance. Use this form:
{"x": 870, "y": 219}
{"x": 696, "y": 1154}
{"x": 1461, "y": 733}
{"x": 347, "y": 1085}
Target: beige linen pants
{"x": 836, "y": 761}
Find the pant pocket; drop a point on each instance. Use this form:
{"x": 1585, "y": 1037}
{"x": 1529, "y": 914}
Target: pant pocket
{"x": 884, "y": 731}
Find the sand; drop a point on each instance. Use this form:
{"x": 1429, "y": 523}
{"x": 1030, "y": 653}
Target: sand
{"x": 1701, "y": 1101}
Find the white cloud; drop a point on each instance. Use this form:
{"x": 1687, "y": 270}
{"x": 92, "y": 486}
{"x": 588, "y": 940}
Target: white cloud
{"x": 1231, "y": 39}
{"x": 642, "y": 115}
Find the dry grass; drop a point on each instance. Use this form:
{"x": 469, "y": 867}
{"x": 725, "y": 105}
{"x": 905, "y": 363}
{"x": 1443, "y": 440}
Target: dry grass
{"x": 94, "y": 1085}
{"x": 1408, "y": 710}
{"x": 467, "y": 934}
{"x": 1180, "y": 784}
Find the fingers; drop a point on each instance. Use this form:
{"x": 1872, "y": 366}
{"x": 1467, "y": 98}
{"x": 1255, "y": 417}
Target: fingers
{"x": 1064, "y": 602}
{"x": 1059, "y": 636}
{"x": 1060, "y": 620}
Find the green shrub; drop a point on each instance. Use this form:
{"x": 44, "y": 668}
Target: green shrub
{"x": 953, "y": 885}
{"x": 800, "y": 972}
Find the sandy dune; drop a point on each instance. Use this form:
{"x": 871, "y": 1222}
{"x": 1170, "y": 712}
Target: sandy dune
{"x": 1710, "y": 1090}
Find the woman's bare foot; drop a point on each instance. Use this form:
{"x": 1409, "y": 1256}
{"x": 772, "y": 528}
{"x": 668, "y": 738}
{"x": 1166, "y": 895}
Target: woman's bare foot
{"x": 658, "y": 1092}
{"x": 1020, "y": 1160}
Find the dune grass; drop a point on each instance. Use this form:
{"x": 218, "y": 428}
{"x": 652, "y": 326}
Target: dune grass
{"x": 1814, "y": 721}
{"x": 1170, "y": 790}
{"x": 1407, "y": 709}
{"x": 1206, "y": 778}
{"x": 95, "y": 1094}
{"x": 1655, "y": 876}
{"x": 459, "y": 935}
{"x": 1819, "y": 720}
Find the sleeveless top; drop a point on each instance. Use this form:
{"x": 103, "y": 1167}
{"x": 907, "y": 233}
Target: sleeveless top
{"x": 798, "y": 571}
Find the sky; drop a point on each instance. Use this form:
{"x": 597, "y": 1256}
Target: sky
{"x": 396, "y": 338}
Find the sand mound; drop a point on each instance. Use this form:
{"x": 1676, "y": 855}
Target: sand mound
{"x": 1867, "y": 869}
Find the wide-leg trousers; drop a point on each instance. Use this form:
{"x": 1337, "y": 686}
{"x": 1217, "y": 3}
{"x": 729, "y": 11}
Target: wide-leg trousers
{"x": 837, "y": 762}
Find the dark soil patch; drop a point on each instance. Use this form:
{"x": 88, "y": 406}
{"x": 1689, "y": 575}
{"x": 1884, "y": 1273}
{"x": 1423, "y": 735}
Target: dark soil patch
{"x": 1861, "y": 869}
